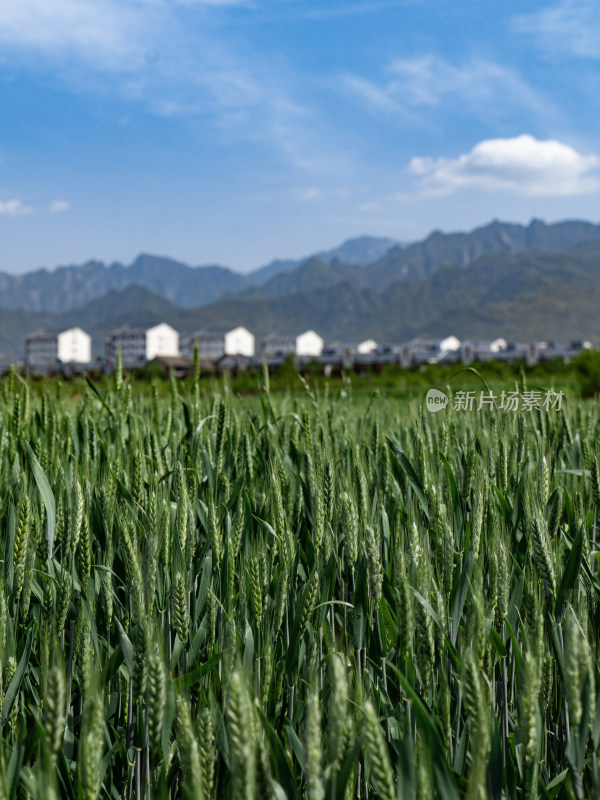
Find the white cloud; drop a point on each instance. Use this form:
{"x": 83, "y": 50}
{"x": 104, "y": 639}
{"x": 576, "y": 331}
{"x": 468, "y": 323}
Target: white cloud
{"x": 155, "y": 54}
{"x": 414, "y": 85}
{"x": 571, "y": 26}
{"x": 211, "y": 2}
{"x": 104, "y": 32}
{"x": 307, "y": 195}
{"x": 59, "y": 206}
{"x": 427, "y": 81}
{"x": 13, "y": 208}
{"x": 521, "y": 165}
{"x": 376, "y": 97}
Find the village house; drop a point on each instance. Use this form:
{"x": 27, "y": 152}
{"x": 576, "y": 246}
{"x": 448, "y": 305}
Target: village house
{"x": 51, "y": 347}
{"x": 139, "y": 345}
{"x": 348, "y": 354}
{"x": 278, "y": 344}
{"x": 179, "y": 366}
{"x": 430, "y": 351}
{"x": 306, "y": 344}
{"x": 213, "y": 345}
{"x": 309, "y": 343}
{"x": 367, "y": 346}
{"x": 489, "y": 350}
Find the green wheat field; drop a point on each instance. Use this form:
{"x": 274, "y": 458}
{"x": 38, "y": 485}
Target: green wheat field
{"x": 319, "y": 594}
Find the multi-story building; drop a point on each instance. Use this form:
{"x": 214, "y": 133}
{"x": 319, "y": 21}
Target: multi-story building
{"x": 278, "y": 344}
{"x": 308, "y": 343}
{"x": 367, "y": 346}
{"x": 138, "y": 345}
{"x": 51, "y": 347}
{"x": 213, "y": 345}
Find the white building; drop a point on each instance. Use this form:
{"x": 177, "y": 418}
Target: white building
{"x": 368, "y": 346}
{"x": 51, "y": 347}
{"x": 450, "y": 343}
{"x": 142, "y": 344}
{"x": 498, "y": 345}
{"x": 213, "y": 345}
{"x": 430, "y": 351}
{"x": 309, "y": 343}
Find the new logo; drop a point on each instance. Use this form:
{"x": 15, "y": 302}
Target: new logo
{"x": 436, "y": 400}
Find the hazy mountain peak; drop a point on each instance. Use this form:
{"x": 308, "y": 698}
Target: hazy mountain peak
{"x": 365, "y": 261}
{"x": 359, "y": 250}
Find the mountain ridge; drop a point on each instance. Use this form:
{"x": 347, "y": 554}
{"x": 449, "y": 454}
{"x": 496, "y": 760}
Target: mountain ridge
{"x": 69, "y": 287}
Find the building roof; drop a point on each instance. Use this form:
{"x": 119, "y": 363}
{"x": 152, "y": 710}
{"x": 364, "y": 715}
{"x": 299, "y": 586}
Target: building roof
{"x": 198, "y": 334}
{"x": 42, "y": 334}
{"x": 423, "y": 344}
{"x": 138, "y": 331}
{"x": 51, "y": 333}
{"x": 177, "y": 362}
{"x": 237, "y": 358}
{"x": 273, "y": 337}
{"x": 218, "y": 332}
{"x": 311, "y": 332}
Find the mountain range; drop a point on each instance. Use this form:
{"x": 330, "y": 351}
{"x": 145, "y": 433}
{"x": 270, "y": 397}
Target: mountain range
{"x": 69, "y": 287}
{"x": 536, "y": 281}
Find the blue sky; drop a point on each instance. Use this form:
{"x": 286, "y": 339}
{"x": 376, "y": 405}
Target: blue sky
{"x": 237, "y": 131}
